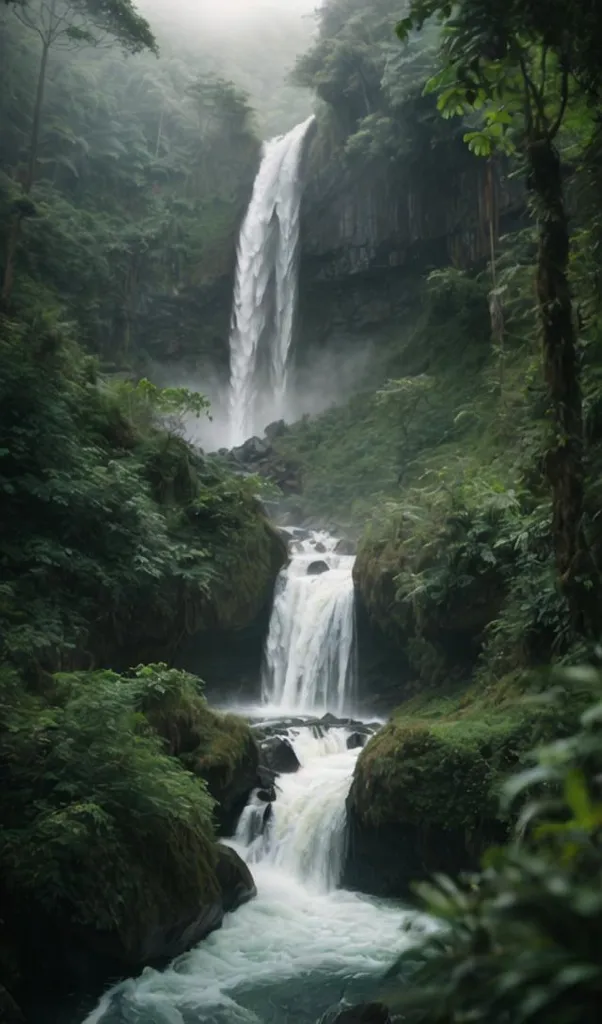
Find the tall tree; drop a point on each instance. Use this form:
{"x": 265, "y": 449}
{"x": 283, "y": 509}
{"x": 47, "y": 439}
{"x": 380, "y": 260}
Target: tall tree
{"x": 519, "y": 62}
{"x": 67, "y": 24}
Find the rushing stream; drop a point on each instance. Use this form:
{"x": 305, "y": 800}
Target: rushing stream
{"x": 302, "y": 944}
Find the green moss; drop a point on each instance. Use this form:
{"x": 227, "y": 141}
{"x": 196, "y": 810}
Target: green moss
{"x": 218, "y": 748}
{"x": 225, "y": 743}
{"x": 444, "y": 755}
{"x": 247, "y": 572}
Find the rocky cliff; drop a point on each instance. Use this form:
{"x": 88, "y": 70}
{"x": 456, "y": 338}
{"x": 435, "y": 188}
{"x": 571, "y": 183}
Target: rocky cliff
{"x": 382, "y": 215}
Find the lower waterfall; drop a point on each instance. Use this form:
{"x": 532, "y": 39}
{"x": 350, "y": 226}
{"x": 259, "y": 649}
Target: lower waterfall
{"x": 302, "y": 944}
{"x": 310, "y": 663}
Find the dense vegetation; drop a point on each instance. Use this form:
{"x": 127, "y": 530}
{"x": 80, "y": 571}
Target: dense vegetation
{"x": 473, "y": 448}
{"x": 519, "y": 940}
{"x": 121, "y": 181}
{"x": 459, "y": 444}
{"x": 480, "y": 459}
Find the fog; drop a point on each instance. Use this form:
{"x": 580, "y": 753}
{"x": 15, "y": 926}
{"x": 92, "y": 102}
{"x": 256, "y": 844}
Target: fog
{"x": 329, "y": 378}
{"x": 252, "y": 42}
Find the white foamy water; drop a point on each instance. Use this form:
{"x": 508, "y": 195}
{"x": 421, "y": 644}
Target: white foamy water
{"x": 302, "y": 944}
{"x": 310, "y": 657}
{"x": 265, "y": 292}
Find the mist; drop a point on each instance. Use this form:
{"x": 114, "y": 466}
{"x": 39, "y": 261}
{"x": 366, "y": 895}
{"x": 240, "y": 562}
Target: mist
{"x": 331, "y": 378}
{"x": 254, "y": 43}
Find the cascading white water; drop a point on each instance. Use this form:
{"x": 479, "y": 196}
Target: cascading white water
{"x": 301, "y": 944}
{"x": 265, "y": 292}
{"x": 310, "y": 664}
{"x": 306, "y": 836}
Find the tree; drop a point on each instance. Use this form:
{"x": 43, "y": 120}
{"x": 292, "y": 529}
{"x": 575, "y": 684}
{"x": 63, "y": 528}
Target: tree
{"x": 519, "y": 63}
{"x": 67, "y": 23}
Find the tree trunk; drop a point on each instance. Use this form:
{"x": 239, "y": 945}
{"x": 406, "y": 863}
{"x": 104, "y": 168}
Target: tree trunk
{"x": 15, "y": 228}
{"x": 564, "y": 458}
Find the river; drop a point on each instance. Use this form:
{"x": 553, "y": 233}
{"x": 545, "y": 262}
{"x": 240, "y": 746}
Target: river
{"x": 303, "y": 944}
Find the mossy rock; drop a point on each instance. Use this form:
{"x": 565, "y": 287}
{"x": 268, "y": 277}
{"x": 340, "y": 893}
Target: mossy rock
{"x": 227, "y": 758}
{"x": 408, "y": 773}
{"x": 218, "y": 748}
{"x": 425, "y": 794}
{"x": 254, "y": 561}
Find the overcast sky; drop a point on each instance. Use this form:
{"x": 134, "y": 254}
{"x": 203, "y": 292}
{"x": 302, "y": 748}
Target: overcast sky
{"x": 222, "y": 12}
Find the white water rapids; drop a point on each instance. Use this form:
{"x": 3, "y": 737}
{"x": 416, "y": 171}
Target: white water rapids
{"x": 303, "y": 944}
{"x": 265, "y": 292}
{"x": 310, "y": 658}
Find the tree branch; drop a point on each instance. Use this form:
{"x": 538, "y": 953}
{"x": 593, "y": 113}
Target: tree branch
{"x": 564, "y": 92}
{"x": 532, "y": 90}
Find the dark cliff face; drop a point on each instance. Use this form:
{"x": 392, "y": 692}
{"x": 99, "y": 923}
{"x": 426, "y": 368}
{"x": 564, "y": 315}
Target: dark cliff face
{"x": 394, "y": 215}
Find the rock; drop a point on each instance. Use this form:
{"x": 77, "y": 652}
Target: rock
{"x": 355, "y": 740}
{"x": 276, "y": 429}
{"x": 231, "y": 783}
{"x": 320, "y": 548}
{"x": 345, "y": 547}
{"x": 9, "y": 1011}
{"x": 329, "y": 720}
{"x": 265, "y": 777}
{"x": 279, "y": 756}
{"x": 363, "y": 1013}
{"x": 317, "y": 568}
{"x": 267, "y": 817}
{"x": 267, "y": 796}
{"x": 235, "y": 879}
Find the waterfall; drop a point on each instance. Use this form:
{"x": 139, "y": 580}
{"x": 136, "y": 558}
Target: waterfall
{"x": 303, "y": 943}
{"x": 310, "y": 663}
{"x": 265, "y": 292}
{"x": 306, "y": 834}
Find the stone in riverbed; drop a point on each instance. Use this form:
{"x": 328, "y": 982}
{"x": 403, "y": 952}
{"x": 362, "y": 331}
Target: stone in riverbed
{"x": 267, "y": 796}
{"x": 355, "y": 740}
{"x": 317, "y": 568}
{"x": 278, "y": 755}
{"x": 345, "y": 547}
{"x": 235, "y": 879}
{"x": 265, "y": 778}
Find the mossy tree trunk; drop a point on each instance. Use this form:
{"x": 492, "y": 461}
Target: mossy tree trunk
{"x": 565, "y": 456}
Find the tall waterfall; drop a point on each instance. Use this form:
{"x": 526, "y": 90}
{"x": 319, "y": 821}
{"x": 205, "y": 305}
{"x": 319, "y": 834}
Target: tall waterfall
{"x": 265, "y": 292}
{"x": 310, "y": 663}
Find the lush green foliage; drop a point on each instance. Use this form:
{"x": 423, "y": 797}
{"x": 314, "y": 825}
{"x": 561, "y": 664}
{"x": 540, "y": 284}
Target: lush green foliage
{"x": 126, "y": 181}
{"x": 519, "y": 940}
{"x": 100, "y": 826}
{"x": 118, "y": 539}
{"x": 113, "y": 529}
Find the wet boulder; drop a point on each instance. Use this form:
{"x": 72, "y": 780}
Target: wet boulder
{"x": 265, "y": 778}
{"x": 278, "y": 755}
{"x": 317, "y": 568}
{"x": 267, "y": 796}
{"x": 235, "y": 880}
{"x": 356, "y": 740}
{"x": 275, "y": 430}
{"x": 345, "y": 547}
